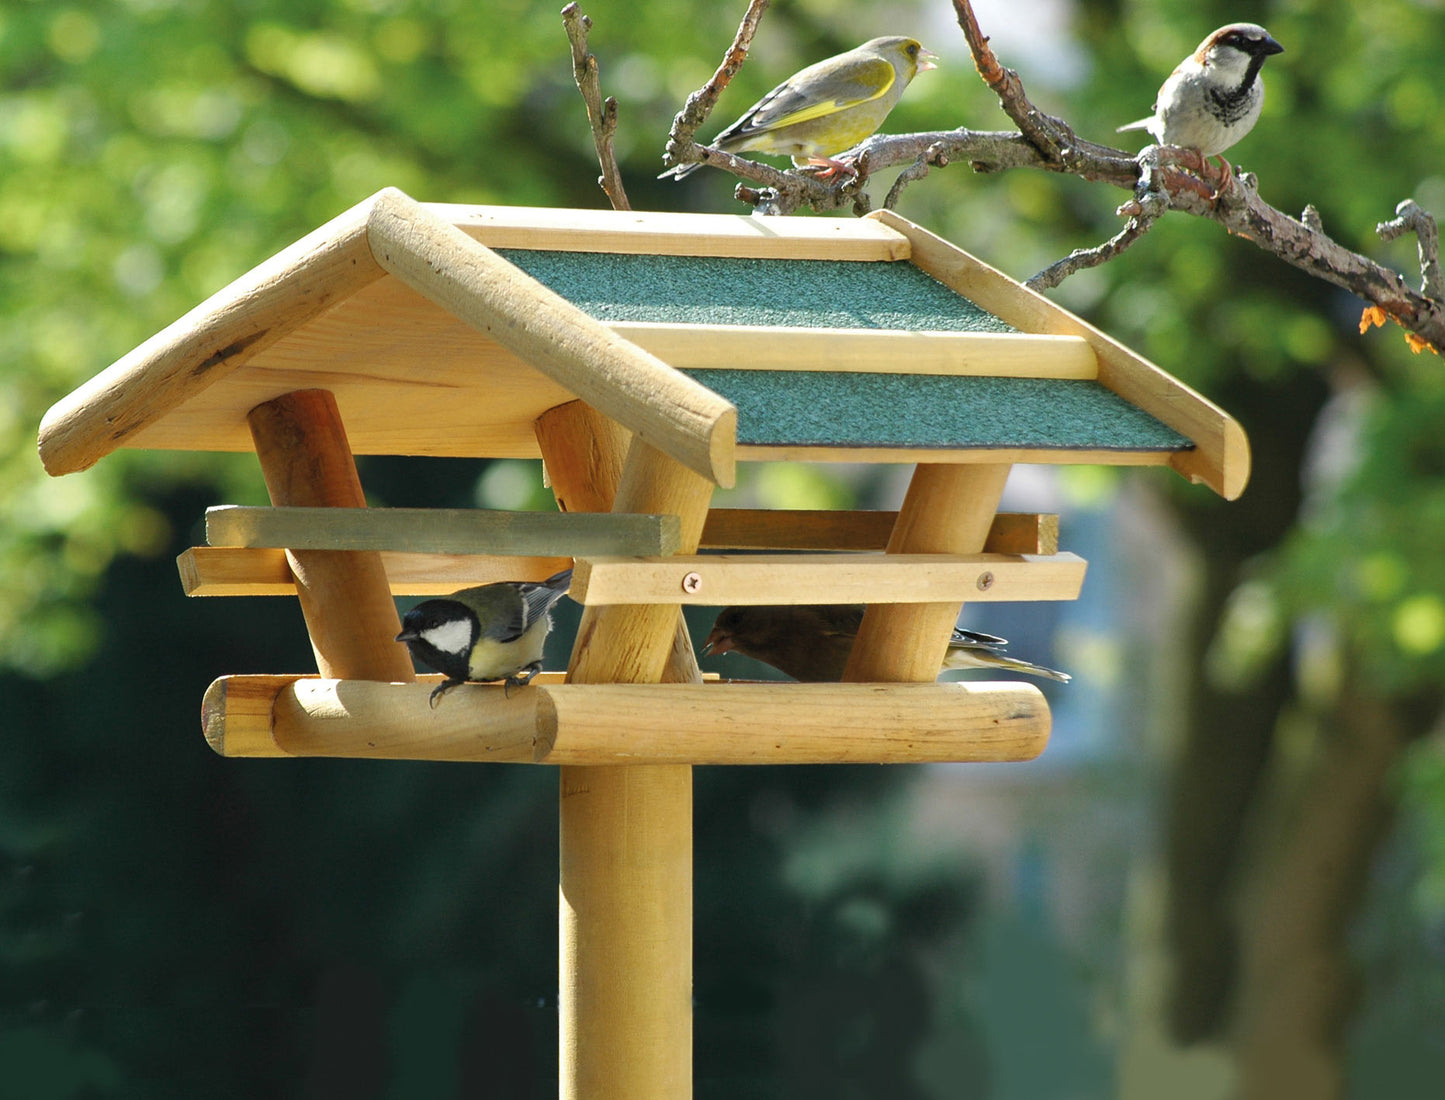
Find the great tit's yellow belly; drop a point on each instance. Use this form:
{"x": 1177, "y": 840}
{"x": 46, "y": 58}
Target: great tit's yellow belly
{"x": 494, "y": 660}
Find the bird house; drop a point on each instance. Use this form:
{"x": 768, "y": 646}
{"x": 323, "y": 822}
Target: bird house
{"x": 641, "y": 356}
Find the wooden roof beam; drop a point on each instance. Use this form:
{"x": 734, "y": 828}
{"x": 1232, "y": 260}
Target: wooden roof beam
{"x": 665, "y": 408}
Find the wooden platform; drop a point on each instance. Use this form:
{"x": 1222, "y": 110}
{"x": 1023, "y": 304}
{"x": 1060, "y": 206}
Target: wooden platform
{"x": 605, "y": 724}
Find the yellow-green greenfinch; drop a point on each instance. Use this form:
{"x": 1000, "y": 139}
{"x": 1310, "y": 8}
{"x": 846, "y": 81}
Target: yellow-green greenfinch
{"x": 491, "y": 632}
{"x": 812, "y": 642}
{"x": 827, "y": 107}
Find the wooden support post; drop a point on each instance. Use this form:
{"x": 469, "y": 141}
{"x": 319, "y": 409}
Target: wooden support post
{"x": 948, "y": 510}
{"x": 625, "y": 928}
{"x": 583, "y": 453}
{"x": 344, "y": 594}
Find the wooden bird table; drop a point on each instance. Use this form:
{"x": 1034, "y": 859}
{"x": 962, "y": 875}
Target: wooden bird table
{"x": 641, "y": 356}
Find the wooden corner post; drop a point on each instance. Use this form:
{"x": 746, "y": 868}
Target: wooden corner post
{"x": 948, "y": 510}
{"x": 625, "y": 922}
{"x": 344, "y": 594}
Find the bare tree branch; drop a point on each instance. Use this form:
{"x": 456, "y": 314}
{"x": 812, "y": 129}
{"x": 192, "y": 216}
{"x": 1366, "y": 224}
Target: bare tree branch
{"x": 602, "y": 115}
{"x": 1168, "y": 178}
{"x": 1412, "y": 218}
{"x": 1161, "y": 178}
{"x": 1048, "y": 135}
{"x": 914, "y": 172}
{"x": 1082, "y": 258}
{"x": 681, "y": 148}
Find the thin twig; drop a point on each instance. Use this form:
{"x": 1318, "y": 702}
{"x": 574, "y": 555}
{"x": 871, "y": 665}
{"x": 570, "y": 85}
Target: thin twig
{"x": 1410, "y": 217}
{"x": 681, "y": 146}
{"x": 1082, "y": 258}
{"x": 1049, "y": 136}
{"x": 601, "y": 115}
{"x": 914, "y": 172}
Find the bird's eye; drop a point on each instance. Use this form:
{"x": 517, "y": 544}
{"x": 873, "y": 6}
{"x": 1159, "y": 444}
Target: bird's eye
{"x": 913, "y": 50}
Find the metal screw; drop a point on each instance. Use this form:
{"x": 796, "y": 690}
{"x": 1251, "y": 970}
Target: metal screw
{"x": 692, "y": 583}
{"x": 985, "y": 581}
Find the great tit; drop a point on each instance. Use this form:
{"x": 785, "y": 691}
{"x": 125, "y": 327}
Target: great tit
{"x": 488, "y": 633}
{"x": 812, "y": 642}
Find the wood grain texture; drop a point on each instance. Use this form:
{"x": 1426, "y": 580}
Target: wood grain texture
{"x": 301, "y": 444}
{"x": 583, "y": 454}
{"x": 625, "y": 921}
{"x": 633, "y": 644}
{"x": 600, "y": 725}
{"x": 209, "y": 343}
{"x": 978, "y": 456}
{"x": 1221, "y": 457}
{"x": 234, "y": 571}
{"x": 640, "y": 391}
{"x": 675, "y": 234}
{"x": 765, "y": 347}
{"x": 441, "y": 531}
{"x": 947, "y": 510}
{"x": 719, "y": 580}
{"x": 843, "y": 529}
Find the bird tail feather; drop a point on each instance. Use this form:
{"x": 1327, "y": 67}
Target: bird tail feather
{"x": 983, "y": 658}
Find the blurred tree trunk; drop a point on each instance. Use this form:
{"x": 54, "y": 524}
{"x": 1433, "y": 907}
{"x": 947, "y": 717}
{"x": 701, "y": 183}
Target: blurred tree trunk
{"x": 1229, "y": 729}
{"x": 1296, "y": 983}
{"x": 1257, "y": 933}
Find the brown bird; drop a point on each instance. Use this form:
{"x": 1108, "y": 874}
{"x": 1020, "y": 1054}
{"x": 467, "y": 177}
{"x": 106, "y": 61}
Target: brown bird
{"x": 1213, "y": 98}
{"x": 811, "y": 642}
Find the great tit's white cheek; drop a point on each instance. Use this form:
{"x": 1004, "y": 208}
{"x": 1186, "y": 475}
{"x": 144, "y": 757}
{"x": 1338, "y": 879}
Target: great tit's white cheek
{"x": 451, "y": 637}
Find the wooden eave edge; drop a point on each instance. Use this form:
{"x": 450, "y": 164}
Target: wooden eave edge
{"x": 392, "y": 233}
{"x": 1220, "y": 457}
{"x": 199, "y": 349}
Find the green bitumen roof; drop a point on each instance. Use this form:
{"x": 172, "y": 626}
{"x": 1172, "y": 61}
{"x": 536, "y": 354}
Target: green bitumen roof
{"x": 848, "y": 409}
{"x": 741, "y": 291}
{"x": 844, "y": 408}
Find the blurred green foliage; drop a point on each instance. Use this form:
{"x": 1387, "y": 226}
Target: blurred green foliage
{"x": 174, "y": 925}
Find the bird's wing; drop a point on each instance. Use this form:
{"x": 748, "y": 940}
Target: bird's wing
{"x": 801, "y": 99}
{"x": 976, "y": 637}
{"x": 841, "y": 620}
{"x": 528, "y": 603}
{"x": 537, "y": 600}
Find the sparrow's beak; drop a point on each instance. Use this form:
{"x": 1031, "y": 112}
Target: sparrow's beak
{"x": 1270, "y": 46}
{"x": 927, "y": 59}
{"x": 719, "y": 641}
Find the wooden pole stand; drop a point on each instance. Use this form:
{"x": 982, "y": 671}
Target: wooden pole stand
{"x": 625, "y": 919}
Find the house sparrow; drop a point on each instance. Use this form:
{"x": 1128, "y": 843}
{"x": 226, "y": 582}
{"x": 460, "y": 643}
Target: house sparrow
{"x": 491, "y": 632}
{"x": 1214, "y": 97}
{"x": 812, "y": 642}
{"x": 826, "y": 107}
